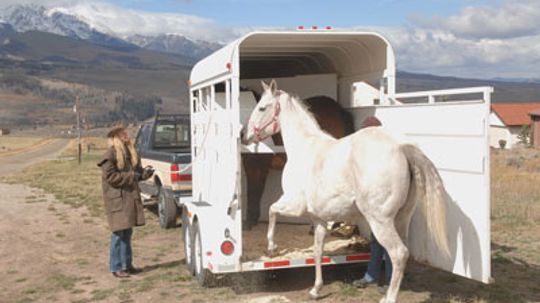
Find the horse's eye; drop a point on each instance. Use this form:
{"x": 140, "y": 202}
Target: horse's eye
{"x": 262, "y": 109}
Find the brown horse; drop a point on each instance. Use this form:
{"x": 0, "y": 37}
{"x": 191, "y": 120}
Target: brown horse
{"x": 331, "y": 117}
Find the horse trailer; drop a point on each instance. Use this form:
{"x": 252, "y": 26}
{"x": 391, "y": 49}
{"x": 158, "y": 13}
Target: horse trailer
{"x": 358, "y": 70}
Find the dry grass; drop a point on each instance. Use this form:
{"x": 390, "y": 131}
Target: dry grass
{"x": 92, "y": 145}
{"x": 515, "y": 244}
{"x": 515, "y": 188}
{"x": 72, "y": 184}
{"x": 9, "y": 144}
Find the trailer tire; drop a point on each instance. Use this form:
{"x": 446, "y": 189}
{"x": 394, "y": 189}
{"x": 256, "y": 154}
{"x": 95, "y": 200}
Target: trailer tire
{"x": 203, "y": 275}
{"x": 167, "y": 209}
{"x": 189, "y": 251}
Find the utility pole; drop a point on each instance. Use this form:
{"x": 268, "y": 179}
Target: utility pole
{"x": 78, "y": 112}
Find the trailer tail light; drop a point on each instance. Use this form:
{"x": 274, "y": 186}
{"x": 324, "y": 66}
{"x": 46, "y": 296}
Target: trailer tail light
{"x": 227, "y": 247}
{"x": 177, "y": 176}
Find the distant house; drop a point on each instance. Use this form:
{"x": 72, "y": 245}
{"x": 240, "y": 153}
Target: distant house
{"x": 4, "y": 131}
{"x": 506, "y": 121}
{"x": 535, "y": 127}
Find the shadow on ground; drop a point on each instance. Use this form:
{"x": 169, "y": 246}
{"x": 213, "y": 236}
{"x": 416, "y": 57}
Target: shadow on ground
{"x": 514, "y": 281}
{"x": 164, "y": 265}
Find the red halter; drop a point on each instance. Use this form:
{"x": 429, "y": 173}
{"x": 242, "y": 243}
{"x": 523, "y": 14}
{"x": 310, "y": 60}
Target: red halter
{"x": 274, "y": 121}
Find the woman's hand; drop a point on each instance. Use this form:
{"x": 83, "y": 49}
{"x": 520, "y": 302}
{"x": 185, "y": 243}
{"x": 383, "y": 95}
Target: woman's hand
{"x": 148, "y": 171}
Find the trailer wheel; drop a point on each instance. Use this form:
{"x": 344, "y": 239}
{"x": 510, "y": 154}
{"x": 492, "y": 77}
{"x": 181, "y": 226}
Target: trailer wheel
{"x": 167, "y": 209}
{"x": 188, "y": 244}
{"x": 203, "y": 275}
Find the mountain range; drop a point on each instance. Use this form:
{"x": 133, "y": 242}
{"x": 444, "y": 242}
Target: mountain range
{"x": 39, "y": 44}
{"x": 63, "y": 22}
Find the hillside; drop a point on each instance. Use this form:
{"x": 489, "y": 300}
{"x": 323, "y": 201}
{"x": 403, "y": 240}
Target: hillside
{"x": 32, "y": 57}
{"x": 36, "y": 101}
{"x": 505, "y": 91}
{"x": 112, "y": 79}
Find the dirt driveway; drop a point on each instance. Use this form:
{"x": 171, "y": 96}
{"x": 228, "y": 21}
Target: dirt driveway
{"x": 15, "y": 163}
{"x": 52, "y": 252}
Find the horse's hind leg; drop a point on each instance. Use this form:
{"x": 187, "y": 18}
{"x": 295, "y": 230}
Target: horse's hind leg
{"x": 320, "y": 233}
{"x": 286, "y": 206}
{"x": 404, "y": 215}
{"x": 389, "y": 238}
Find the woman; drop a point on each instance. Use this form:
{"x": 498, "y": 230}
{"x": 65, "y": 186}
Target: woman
{"x": 121, "y": 170}
{"x": 373, "y": 273}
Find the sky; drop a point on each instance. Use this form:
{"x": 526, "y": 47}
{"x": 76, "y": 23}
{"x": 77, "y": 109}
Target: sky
{"x": 466, "y": 38}
{"x": 278, "y": 13}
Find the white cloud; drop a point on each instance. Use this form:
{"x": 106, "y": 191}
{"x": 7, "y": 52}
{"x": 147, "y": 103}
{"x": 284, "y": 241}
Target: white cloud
{"x": 124, "y": 22}
{"x": 507, "y": 20}
{"x": 482, "y": 41}
{"x": 441, "y": 52}
{"x": 48, "y": 3}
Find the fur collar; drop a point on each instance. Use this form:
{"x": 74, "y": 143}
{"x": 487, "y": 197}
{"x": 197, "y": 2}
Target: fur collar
{"x": 121, "y": 152}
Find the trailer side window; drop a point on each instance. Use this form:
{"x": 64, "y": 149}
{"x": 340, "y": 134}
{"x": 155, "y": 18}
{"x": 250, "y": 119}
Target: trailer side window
{"x": 205, "y": 99}
{"x": 220, "y": 96}
{"x": 195, "y": 101}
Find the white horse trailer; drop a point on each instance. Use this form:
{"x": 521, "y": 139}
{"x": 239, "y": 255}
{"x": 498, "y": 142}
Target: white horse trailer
{"x": 358, "y": 70}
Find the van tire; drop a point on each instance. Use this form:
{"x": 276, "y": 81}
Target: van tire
{"x": 205, "y": 278}
{"x": 167, "y": 209}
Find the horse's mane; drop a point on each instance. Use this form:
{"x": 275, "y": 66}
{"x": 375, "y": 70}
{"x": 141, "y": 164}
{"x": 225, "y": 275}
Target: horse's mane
{"x": 295, "y": 104}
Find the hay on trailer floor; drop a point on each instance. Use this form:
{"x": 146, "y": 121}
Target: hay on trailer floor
{"x": 295, "y": 242}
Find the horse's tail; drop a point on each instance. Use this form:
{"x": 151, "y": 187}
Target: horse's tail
{"x": 431, "y": 193}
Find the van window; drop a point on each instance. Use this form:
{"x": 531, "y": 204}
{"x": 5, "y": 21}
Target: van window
{"x": 171, "y": 134}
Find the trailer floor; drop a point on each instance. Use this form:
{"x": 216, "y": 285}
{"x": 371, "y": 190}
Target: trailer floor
{"x": 295, "y": 242}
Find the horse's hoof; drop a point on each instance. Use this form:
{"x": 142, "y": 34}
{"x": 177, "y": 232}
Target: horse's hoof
{"x": 383, "y": 300}
{"x": 271, "y": 253}
{"x": 314, "y": 295}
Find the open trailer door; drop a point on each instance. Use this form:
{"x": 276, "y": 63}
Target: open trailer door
{"x": 454, "y": 135}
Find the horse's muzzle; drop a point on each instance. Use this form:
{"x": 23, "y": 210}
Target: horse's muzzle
{"x": 245, "y": 137}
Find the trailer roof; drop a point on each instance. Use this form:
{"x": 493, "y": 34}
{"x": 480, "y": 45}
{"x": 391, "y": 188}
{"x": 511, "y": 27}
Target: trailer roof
{"x": 283, "y": 54}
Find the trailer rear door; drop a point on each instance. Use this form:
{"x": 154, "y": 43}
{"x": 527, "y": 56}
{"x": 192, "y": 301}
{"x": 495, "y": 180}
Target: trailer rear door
{"x": 454, "y": 135}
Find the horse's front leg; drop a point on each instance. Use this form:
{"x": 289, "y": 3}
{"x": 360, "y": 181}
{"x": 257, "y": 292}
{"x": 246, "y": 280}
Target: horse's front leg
{"x": 320, "y": 233}
{"x": 286, "y": 206}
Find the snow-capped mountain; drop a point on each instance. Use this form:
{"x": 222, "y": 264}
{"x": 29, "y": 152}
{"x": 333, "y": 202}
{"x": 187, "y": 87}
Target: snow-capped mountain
{"x": 62, "y": 21}
{"x": 30, "y": 17}
{"x": 176, "y": 44}
{"x": 6, "y": 28}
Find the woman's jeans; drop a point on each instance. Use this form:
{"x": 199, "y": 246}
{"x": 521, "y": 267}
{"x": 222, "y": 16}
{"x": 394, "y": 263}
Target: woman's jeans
{"x": 120, "y": 258}
{"x": 373, "y": 273}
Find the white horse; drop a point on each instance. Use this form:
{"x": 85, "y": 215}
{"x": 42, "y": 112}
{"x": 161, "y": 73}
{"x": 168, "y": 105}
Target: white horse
{"x": 368, "y": 175}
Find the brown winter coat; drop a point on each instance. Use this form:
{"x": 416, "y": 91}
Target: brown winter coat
{"x": 121, "y": 193}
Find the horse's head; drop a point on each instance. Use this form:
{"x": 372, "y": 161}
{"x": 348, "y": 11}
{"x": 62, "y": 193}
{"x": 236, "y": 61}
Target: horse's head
{"x": 264, "y": 120}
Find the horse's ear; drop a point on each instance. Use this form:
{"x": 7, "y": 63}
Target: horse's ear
{"x": 273, "y": 86}
{"x": 265, "y": 86}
